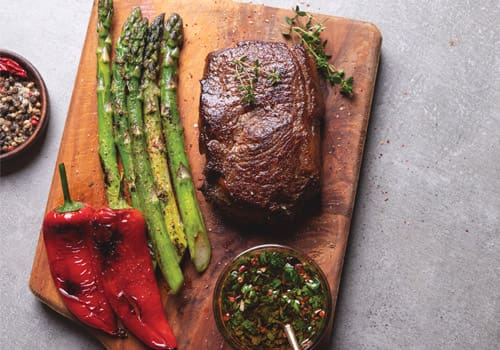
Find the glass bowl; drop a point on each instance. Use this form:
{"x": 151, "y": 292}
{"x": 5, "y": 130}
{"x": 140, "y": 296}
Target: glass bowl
{"x": 266, "y": 287}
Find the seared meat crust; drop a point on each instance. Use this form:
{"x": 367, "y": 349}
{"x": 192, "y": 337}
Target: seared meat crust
{"x": 262, "y": 157}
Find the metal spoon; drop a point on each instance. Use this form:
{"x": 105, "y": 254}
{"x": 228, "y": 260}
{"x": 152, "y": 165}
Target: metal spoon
{"x": 292, "y": 339}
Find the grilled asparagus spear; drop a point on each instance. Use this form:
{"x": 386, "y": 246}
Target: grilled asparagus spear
{"x": 120, "y": 112}
{"x": 107, "y": 150}
{"x": 155, "y": 142}
{"x": 165, "y": 253}
{"x": 194, "y": 227}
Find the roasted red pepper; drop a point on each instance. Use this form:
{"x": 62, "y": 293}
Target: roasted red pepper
{"x": 11, "y": 66}
{"x": 128, "y": 276}
{"x": 67, "y": 233}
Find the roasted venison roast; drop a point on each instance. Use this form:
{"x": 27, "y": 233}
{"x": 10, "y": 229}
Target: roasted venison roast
{"x": 260, "y": 113}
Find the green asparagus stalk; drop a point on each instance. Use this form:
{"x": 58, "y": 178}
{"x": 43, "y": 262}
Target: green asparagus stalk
{"x": 194, "y": 227}
{"x": 120, "y": 112}
{"x": 155, "y": 142}
{"x": 164, "y": 250}
{"x": 107, "y": 150}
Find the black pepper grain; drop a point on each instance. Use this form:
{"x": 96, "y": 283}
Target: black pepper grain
{"x": 20, "y": 110}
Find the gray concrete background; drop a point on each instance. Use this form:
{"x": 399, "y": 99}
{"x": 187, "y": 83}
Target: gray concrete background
{"x": 422, "y": 269}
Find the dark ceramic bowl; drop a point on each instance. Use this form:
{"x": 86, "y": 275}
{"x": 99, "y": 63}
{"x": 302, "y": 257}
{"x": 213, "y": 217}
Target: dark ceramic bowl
{"x": 253, "y": 256}
{"x": 34, "y": 76}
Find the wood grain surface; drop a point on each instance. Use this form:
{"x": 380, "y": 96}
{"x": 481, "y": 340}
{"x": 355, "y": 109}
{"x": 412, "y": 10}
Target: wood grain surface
{"x": 212, "y": 25}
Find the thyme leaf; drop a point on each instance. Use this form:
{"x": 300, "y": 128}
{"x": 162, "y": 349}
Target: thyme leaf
{"x": 304, "y": 26}
{"x": 247, "y": 74}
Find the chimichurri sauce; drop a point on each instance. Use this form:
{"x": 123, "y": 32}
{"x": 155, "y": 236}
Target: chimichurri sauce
{"x": 267, "y": 290}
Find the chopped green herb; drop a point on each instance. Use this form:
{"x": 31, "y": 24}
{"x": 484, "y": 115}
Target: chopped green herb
{"x": 304, "y": 26}
{"x": 277, "y": 289}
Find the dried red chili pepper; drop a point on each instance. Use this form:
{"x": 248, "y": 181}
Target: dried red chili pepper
{"x": 11, "y": 66}
{"x": 128, "y": 276}
{"x": 67, "y": 233}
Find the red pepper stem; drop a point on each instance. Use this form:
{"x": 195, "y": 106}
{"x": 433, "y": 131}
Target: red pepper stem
{"x": 68, "y": 205}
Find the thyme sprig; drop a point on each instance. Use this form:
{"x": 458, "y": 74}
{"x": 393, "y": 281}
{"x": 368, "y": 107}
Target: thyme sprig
{"x": 305, "y": 26}
{"x": 247, "y": 74}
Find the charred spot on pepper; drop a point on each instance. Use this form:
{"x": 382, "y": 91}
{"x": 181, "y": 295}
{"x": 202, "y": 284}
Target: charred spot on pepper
{"x": 106, "y": 239}
{"x": 65, "y": 227}
{"x": 70, "y": 287}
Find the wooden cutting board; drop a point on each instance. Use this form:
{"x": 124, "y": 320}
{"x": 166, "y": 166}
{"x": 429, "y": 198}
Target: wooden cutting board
{"x": 212, "y": 25}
